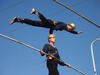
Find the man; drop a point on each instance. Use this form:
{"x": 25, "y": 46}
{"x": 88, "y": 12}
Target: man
{"x": 52, "y": 62}
{"x": 46, "y": 23}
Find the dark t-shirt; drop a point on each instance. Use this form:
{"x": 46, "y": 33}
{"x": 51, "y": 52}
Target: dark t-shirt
{"x": 51, "y": 50}
{"x": 60, "y": 26}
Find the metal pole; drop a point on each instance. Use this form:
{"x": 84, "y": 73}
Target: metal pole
{"x": 38, "y": 51}
{"x": 95, "y": 73}
{"x": 4, "y": 36}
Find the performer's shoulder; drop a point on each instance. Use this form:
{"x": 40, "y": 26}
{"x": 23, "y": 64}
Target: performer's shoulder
{"x": 46, "y": 44}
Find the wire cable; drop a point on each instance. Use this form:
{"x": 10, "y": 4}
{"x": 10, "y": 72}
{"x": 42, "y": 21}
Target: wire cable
{"x": 67, "y": 7}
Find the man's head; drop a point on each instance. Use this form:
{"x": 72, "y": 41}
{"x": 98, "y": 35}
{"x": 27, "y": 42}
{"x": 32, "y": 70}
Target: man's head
{"x": 52, "y": 38}
{"x": 70, "y": 27}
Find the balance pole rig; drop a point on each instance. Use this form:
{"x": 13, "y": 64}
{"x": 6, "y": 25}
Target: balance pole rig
{"x": 38, "y": 51}
{"x": 67, "y": 7}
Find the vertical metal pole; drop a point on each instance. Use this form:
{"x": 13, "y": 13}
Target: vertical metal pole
{"x": 95, "y": 73}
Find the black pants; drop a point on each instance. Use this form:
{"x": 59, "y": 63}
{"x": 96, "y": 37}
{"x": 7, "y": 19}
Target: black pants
{"x": 46, "y": 23}
{"x": 52, "y": 67}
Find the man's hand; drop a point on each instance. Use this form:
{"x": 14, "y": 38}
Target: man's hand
{"x": 79, "y": 32}
{"x": 68, "y": 65}
{"x": 42, "y": 53}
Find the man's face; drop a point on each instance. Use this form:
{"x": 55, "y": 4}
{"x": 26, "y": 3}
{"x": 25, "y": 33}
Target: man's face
{"x": 68, "y": 27}
{"x": 53, "y": 39}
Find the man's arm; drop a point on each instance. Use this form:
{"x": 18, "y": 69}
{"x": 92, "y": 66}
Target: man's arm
{"x": 51, "y": 31}
{"x": 44, "y": 50}
{"x": 74, "y": 32}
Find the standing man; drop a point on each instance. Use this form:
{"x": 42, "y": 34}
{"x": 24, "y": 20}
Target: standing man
{"x": 46, "y": 23}
{"x": 50, "y": 49}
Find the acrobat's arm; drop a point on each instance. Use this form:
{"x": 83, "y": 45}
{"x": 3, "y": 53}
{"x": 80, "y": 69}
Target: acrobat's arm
{"x": 74, "y": 32}
{"x": 51, "y": 31}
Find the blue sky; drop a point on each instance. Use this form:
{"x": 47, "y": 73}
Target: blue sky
{"x": 15, "y": 59}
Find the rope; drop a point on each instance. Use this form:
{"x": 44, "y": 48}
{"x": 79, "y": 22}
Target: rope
{"x": 72, "y": 5}
{"x": 76, "y": 13}
{"x": 38, "y": 51}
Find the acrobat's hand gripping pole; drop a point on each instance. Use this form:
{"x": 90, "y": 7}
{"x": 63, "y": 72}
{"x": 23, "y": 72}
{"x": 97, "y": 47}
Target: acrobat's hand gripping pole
{"x": 76, "y": 13}
{"x": 36, "y": 50}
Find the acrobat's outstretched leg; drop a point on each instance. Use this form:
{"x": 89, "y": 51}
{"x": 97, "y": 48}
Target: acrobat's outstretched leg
{"x": 27, "y": 21}
{"x": 42, "y": 18}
